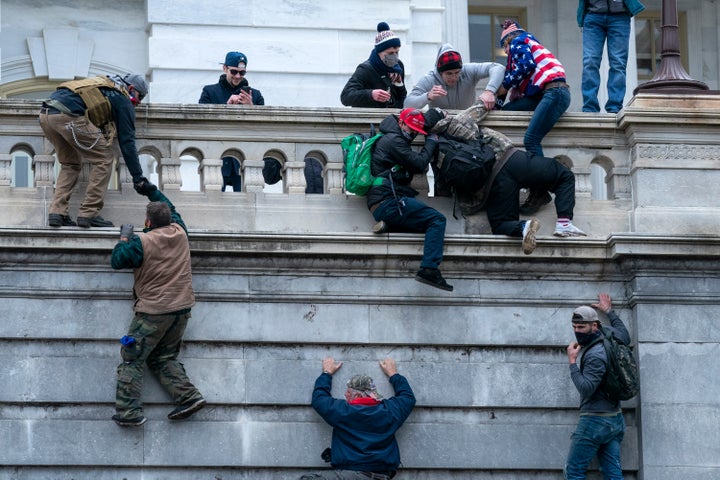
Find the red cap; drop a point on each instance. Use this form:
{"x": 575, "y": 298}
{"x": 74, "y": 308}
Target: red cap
{"x": 414, "y": 119}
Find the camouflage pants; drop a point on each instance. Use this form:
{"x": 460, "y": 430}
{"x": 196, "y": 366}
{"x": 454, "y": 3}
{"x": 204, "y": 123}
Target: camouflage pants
{"x": 157, "y": 341}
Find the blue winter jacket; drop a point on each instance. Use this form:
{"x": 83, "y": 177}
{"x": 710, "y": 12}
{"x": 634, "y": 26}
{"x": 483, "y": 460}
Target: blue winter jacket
{"x": 363, "y": 437}
{"x": 634, "y": 6}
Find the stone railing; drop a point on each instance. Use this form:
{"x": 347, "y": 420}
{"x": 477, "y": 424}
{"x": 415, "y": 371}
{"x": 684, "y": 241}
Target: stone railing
{"x": 620, "y": 163}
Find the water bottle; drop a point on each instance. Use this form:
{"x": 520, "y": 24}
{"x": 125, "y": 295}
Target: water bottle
{"x": 130, "y": 349}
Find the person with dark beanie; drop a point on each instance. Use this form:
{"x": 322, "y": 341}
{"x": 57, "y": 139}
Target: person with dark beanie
{"x": 378, "y": 82}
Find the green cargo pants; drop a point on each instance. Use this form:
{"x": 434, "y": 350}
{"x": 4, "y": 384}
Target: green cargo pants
{"x": 157, "y": 341}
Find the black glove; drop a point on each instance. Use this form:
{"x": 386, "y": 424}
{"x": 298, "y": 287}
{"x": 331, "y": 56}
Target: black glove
{"x": 143, "y": 186}
{"x": 126, "y": 230}
{"x": 433, "y": 116}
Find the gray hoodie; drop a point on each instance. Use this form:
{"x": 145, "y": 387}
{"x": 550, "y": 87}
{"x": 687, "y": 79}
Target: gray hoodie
{"x": 462, "y": 95}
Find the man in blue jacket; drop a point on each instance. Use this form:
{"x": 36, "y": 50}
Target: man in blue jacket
{"x": 601, "y": 427}
{"x": 364, "y": 424}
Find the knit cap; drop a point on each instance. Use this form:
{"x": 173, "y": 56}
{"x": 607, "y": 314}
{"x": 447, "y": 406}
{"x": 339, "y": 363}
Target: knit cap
{"x": 509, "y": 27}
{"x": 449, "y": 60}
{"x": 385, "y": 38}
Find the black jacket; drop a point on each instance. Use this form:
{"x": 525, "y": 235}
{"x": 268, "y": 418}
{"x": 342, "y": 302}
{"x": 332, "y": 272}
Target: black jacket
{"x": 218, "y": 93}
{"x": 393, "y": 148}
{"x": 358, "y": 89}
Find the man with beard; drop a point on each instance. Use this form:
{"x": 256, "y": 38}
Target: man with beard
{"x": 601, "y": 427}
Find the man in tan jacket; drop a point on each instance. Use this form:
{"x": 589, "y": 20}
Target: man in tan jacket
{"x": 160, "y": 257}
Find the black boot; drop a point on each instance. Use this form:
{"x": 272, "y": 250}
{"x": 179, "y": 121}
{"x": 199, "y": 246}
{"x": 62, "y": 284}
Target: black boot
{"x": 433, "y": 277}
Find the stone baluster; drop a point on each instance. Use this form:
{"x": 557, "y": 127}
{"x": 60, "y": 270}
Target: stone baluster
{"x": 334, "y": 178}
{"x": 211, "y": 174}
{"x": 252, "y": 172}
{"x": 295, "y": 177}
{"x": 44, "y": 172}
{"x": 169, "y": 173}
{"x": 5, "y": 170}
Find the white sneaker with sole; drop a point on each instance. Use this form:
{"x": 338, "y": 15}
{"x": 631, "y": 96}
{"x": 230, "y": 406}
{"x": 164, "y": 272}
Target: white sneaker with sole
{"x": 568, "y": 230}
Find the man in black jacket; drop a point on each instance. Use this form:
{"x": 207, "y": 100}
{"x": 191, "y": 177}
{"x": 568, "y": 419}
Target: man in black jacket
{"x": 81, "y": 119}
{"x": 232, "y": 87}
{"x": 378, "y": 82}
{"x": 393, "y": 202}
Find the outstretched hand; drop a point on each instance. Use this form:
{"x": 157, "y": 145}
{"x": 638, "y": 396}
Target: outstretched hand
{"x": 604, "y": 302}
{"x": 329, "y": 365}
{"x": 389, "y": 367}
{"x": 144, "y": 186}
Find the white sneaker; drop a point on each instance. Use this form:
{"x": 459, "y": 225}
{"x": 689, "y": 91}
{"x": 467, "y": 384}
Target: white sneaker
{"x": 568, "y": 230}
{"x": 529, "y": 230}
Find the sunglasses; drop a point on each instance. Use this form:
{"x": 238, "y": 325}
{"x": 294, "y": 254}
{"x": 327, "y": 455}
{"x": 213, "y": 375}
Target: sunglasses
{"x": 235, "y": 71}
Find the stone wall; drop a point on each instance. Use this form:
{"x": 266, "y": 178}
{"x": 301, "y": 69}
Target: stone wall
{"x": 283, "y": 280}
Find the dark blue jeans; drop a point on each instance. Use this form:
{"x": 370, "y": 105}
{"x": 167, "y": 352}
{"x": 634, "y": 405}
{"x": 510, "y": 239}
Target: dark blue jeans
{"x": 416, "y": 217}
{"x": 523, "y": 170}
{"x": 548, "y": 107}
{"x": 598, "y": 28}
{"x": 599, "y": 436}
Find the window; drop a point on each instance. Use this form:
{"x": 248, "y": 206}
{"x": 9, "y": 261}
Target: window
{"x": 484, "y": 31}
{"x": 648, "y": 42}
{"x": 22, "y": 175}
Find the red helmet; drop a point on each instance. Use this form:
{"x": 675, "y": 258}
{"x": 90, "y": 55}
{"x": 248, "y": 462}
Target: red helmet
{"x": 414, "y": 119}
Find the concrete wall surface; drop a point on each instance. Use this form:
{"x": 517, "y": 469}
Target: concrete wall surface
{"x": 283, "y": 280}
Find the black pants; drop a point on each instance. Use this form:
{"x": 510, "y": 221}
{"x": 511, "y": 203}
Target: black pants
{"x": 523, "y": 170}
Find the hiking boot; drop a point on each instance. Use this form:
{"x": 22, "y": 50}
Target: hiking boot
{"x": 187, "y": 409}
{"x": 57, "y": 220}
{"x": 128, "y": 422}
{"x": 529, "y": 230}
{"x": 433, "y": 277}
{"x": 87, "y": 222}
{"x": 534, "y": 202}
{"x": 568, "y": 230}
{"x": 380, "y": 228}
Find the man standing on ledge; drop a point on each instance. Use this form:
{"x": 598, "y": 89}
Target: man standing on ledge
{"x": 601, "y": 427}
{"x": 160, "y": 257}
{"x": 81, "y": 119}
{"x": 364, "y": 424}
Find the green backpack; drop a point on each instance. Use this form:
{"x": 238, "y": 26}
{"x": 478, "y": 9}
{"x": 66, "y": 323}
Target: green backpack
{"x": 621, "y": 380}
{"x": 357, "y": 157}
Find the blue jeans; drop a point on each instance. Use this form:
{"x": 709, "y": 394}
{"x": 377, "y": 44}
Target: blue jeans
{"x": 416, "y": 218}
{"x": 598, "y": 28}
{"x": 599, "y": 436}
{"x": 548, "y": 106}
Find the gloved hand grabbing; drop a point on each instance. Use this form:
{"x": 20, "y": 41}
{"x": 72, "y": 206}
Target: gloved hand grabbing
{"x": 143, "y": 186}
{"x": 127, "y": 231}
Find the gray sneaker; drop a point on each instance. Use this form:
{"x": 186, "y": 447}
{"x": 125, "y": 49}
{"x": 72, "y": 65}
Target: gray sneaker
{"x": 380, "y": 228}
{"x": 529, "y": 230}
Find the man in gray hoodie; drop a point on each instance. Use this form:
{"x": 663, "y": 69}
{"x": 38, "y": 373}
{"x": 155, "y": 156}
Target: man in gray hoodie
{"x": 452, "y": 84}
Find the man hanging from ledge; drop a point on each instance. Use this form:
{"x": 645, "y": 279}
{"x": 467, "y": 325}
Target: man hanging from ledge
{"x": 81, "y": 119}
{"x": 364, "y": 424}
{"x": 513, "y": 169}
{"x": 160, "y": 257}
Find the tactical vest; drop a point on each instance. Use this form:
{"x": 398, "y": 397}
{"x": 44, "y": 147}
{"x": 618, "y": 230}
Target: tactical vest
{"x": 98, "y": 106}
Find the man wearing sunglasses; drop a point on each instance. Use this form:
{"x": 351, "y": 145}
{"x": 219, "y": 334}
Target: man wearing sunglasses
{"x": 232, "y": 87}
{"x": 81, "y": 119}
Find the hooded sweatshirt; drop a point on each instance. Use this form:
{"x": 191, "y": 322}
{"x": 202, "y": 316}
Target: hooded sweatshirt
{"x": 463, "y": 94}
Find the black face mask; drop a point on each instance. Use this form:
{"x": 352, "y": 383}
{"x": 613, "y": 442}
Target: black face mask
{"x": 408, "y": 135}
{"x": 585, "y": 338}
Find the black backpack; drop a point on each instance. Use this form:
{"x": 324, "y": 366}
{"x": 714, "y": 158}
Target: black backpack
{"x": 621, "y": 380}
{"x": 462, "y": 165}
